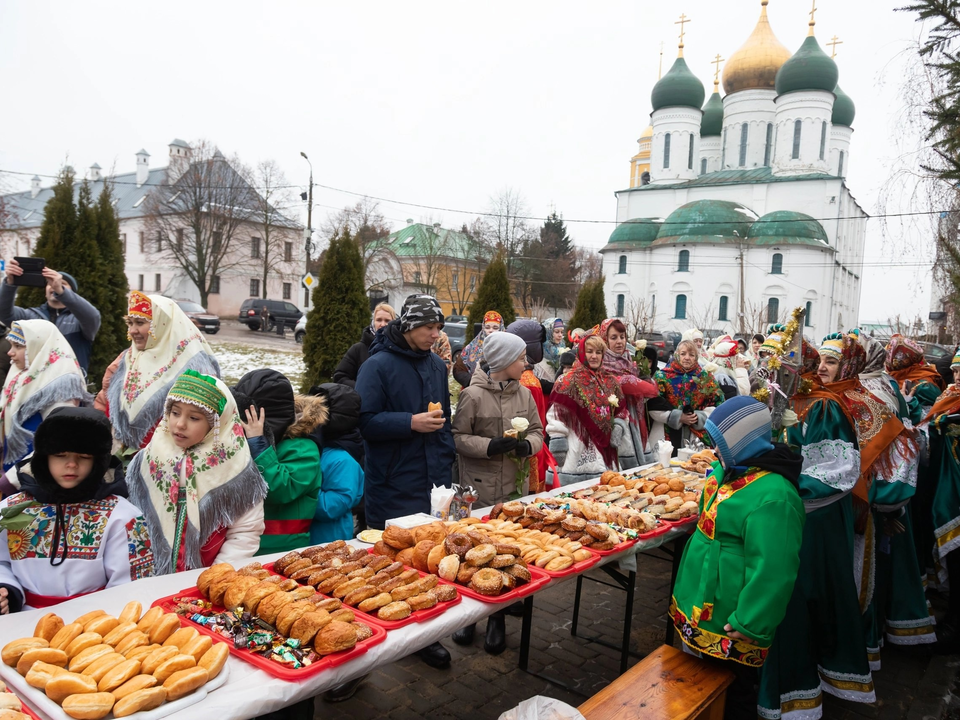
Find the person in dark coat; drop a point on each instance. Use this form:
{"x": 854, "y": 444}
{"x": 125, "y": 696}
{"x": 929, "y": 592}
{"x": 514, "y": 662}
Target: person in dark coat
{"x": 408, "y": 447}
{"x": 349, "y": 367}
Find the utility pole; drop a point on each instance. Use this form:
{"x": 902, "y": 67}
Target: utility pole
{"x": 742, "y": 315}
{"x": 309, "y": 235}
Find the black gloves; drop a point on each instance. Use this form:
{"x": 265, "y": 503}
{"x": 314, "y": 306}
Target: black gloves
{"x": 523, "y": 449}
{"x": 501, "y": 445}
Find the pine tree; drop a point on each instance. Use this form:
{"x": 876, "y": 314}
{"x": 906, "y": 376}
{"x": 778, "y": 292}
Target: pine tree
{"x": 493, "y": 294}
{"x": 591, "y": 308}
{"x": 341, "y": 310}
{"x": 57, "y": 232}
{"x": 554, "y": 265}
{"x": 112, "y": 289}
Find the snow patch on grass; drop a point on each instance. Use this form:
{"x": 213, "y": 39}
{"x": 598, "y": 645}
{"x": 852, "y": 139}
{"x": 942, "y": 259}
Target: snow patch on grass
{"x": 237, "y": 360}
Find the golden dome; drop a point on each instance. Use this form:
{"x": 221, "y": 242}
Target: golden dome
{"x": 648, "y": 133}
{"x": 756, "y": 63}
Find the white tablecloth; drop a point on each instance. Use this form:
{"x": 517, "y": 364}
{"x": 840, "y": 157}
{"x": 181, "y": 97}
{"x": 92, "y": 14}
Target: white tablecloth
{"x": 250, "y": 691}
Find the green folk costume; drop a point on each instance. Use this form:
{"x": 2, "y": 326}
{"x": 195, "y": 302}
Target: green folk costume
{"x": 820, "y": 646}
{"x": 292, "y": 472}
{"x": 739, "y": 566}
{"x": 945, "y": 455}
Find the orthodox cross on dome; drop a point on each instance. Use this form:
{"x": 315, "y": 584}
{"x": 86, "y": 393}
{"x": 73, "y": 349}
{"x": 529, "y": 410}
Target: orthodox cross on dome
{"x": 833, "y": 45}
{"x": 660, "y": 69}
{"x": 716, "y": 72}
{"x": 813, "y": 11}
{"x": 681, "y": 22}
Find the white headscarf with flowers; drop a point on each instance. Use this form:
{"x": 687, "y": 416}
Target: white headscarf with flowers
{"x": 51, "y": 376}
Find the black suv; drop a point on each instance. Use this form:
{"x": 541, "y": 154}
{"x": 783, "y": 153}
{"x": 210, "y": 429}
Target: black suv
{"x": 251, "y": 313}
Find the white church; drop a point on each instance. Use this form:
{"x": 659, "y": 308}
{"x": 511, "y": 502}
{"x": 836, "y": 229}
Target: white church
{"x": 738, "y": 210}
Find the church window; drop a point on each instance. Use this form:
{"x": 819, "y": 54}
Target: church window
{"x": 807, "y": 322}
{"x": 620, "y": 301}
{"x": 744, "y": 129}
{"x": 680, "y": 311}
{"x": 776, "y": 267}
{"x": 666, "y": 151}
{"x": 797, "y": 126}
{"x": 773, "y": 310}
{"x": 690, "y": 155}
{"x": 724, "y": 302}
{"x": 623, "y": 265}
{"x": 840, "y": 166}
{"x": 823, "y": 138}
{"x": 769, "y": 145}
{"x": 703, "y": 166}
{"x": 683, "y": 261}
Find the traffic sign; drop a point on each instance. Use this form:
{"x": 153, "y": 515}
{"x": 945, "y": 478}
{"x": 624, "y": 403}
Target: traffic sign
{"x": 308, "y": 281}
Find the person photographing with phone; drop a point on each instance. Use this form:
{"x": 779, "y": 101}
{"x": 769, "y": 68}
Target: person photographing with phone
{"x": 76, "y": 319}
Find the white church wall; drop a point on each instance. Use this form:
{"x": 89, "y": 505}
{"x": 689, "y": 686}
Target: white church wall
{"x": 814, "y": 110}
{"x": 683, "y": 126}
{"x": 756, "y": 109}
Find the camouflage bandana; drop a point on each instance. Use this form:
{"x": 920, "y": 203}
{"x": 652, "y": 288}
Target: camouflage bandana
{"x": 419, "y": 310}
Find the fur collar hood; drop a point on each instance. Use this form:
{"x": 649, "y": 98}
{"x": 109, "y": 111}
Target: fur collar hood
{"x": 311, "y": 413}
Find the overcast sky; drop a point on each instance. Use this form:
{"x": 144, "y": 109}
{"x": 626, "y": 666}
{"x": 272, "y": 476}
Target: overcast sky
{"x": 436, "y": 103}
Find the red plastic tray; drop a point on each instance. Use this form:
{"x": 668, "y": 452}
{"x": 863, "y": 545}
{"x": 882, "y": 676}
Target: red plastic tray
{"x": 615, "y": 549}
{"x": 267, "y": 665}
{"x": 415, "y": 616}
{"x": 692, "y": 520}
{"x": 25, "y": 709}
{"x": 538, "y": 580}
{"x": 577, "y": 567}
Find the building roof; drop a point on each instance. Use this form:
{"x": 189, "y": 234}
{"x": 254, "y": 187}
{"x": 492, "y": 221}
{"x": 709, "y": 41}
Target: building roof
{"x": 810, "y": 68}
{"x": 755, "y": 64}
{"x": 844, "y": 111}
{"x": 787, "y": 227}
{"x": 735, "y": 177}
{"x": 634, "y": 233}
{"x": 711, "y": 124}
{"x": 420, "y": 240}
{"x": 678, "y": 88}
{"x": 706, "y": 221}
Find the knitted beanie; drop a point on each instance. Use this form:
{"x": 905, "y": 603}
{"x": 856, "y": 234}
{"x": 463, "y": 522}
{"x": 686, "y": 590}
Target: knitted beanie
{"x": 419, "y": 310}
{"x": 741, "y": 429}
{"x": 501, "y": 349}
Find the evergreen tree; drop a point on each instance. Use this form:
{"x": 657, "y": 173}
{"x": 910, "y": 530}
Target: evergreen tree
{"x": 341, "y": 310}
{"x": 57, "y": 233}
{"x": 112, "y": 289}
{"x": 493, "y": 294}
{"x": 554, "y": 265}
{"x": 591, "y": 308}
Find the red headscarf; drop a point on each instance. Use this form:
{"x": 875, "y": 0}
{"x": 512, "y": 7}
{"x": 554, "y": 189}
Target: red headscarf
{"x": 905, "y": 362}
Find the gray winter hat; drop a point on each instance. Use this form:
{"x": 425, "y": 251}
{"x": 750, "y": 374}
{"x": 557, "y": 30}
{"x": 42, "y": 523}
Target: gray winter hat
{"x": 419, "y": 310}
{"x": 501, "y": 349}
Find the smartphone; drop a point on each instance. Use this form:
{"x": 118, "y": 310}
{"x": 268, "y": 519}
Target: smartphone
{"x": 908, "y": 386}
{"x": 32, "y": 272}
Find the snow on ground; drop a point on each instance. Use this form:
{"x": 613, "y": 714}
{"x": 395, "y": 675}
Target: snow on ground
{"x": 237, "y": 360}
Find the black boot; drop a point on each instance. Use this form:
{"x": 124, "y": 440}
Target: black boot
{"x": 515, "y": 609}
{"x": 495, "y": 640}
{"x": 464, "y": 636}
{"x": 436, "y": 656}
{"x": 344, "y": 691}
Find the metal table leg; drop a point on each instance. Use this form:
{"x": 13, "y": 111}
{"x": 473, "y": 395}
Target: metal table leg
{"x": 525, "y": 631}
{"x": 576, "y": 606}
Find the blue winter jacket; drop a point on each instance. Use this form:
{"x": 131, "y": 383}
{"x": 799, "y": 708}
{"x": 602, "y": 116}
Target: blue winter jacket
{"x": 342, "y": 489}
{"x": 401, "y": 466}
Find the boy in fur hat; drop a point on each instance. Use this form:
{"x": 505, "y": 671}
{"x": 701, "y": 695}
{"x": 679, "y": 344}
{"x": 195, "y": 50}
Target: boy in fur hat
{"x": 75, "y": 533}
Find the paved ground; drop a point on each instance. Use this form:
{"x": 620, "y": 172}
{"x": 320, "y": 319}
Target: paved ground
{"x": 232, "y": 331}
{"x": 913, "y": 683}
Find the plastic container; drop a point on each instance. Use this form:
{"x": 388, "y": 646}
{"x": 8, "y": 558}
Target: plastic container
{"x": 615, "y": 549}
{"x": 574, "y": 569}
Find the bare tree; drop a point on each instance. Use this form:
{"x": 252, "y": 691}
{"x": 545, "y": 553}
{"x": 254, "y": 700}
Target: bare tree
{"x": 366, "y": 224}
{"x": 702, "y": 317}
{"x": 465, "y": 267}
{"x": 508, "y": 226}
{"x": 589, "y": 267}
{"x": 639, "y": 317}
{"x": 195, "y": 221}
{"x": 430, "y": 260}
{"x": 274, "y": 251}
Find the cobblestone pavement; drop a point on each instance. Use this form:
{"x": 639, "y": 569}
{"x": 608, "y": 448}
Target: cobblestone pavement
{"x": 913, "y": 683}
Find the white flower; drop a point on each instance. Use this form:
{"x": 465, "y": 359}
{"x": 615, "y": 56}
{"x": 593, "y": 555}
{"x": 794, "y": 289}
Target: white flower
{"x": 789, "y": 418}
{"x": 520, "y": 424}
{"x": 641, "y": 344}
{"x": 561, "y": 351}
{"x": 614, "y": 401}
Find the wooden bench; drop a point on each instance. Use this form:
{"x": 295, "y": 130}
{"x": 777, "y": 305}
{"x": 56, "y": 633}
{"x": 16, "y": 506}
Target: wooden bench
{"x": 668, "y": 684}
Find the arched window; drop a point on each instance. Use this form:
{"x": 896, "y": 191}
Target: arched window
{"x": 683, "y": 261}
{"x": 680, "y": 311}
{"x": 623, "y": 265}
{"x": 690, "y": 155}
{"x": 620, "y": 301}
{"x": 703, "y": 166}
{"x": 840, "y": 166}
{"x": 797, "y": 127}
{"x": 723, "y": 150}
{"x": 773, "y": 311}
{"x": 724, "y": 302}
{"x": 823, "y": 138}
{"x": 776, "y": 267}
{"x": 744, "y": 129}
{"x": 666, "y": 151}
{"x": 768, "y": 147}
{"x": 807, "y": 322}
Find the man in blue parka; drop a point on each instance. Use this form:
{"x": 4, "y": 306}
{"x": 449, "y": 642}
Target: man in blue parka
{"x": 407, "y": 447}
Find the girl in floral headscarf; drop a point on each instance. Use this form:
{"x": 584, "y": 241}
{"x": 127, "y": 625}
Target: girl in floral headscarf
{"x": 196, "y": 483}
{"x": 553, "y": 348}
{"x": 44, "y": 374}
{"x": 585, "y": 406}
{"x": 472, "y": 355}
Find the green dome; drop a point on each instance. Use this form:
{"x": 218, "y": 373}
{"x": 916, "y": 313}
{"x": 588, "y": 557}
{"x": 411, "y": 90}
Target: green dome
{"x": 707, "y": 221}
{"x": 712, "y": 121}
{"x": 809, "y": 69}
{"x": 843, "y": 109}
{"x": 786, "y": 227}
{"x": 678, "y": 88}
{"x": 636, "y": 231}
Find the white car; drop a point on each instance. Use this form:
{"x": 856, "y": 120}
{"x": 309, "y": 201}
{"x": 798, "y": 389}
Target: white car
{"x": 301, "y": 329}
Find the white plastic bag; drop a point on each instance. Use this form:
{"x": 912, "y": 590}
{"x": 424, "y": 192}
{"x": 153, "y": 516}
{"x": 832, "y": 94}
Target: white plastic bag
{"x": 440, "y": 499}
{"x": 540, "y": 707}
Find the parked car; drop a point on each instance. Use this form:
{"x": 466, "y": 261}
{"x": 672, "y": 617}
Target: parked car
{"x": 210, "y": 324}
{"x": 456, "y": 319}
{"x": 280, "y": 310}
{"x": 933, "y": 352}
{"x": 457, "y": 332}
{"x": 300, "y": 330}
{"x": 664, "y": 342}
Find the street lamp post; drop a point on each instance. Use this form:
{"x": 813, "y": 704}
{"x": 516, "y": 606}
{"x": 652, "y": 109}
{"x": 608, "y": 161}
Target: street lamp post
{"x": 309, "y": 238}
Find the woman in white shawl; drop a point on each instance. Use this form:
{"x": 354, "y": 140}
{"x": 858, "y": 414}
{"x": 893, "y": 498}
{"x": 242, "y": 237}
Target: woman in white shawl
{"x": 728, "y": 367}
{"x": 44, "y": 374}
{"x": 164, "y": 343}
